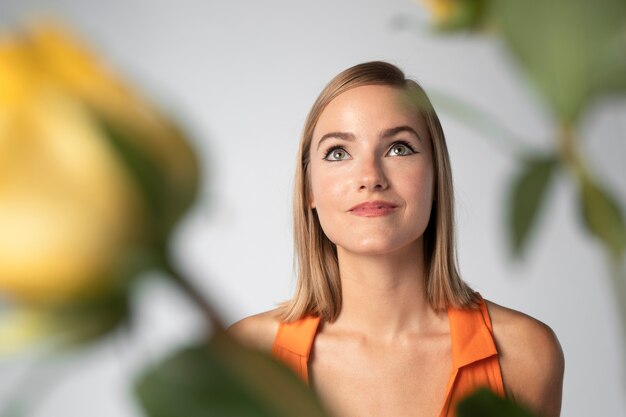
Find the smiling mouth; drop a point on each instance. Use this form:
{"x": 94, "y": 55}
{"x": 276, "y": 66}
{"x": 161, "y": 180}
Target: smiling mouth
{"x": 373, "y": 209}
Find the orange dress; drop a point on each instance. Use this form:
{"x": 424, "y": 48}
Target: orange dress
{"x": 474, "y": 356}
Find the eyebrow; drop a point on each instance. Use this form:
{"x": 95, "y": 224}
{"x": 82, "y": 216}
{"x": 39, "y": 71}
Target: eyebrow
{"x": 338, "y": 135}
{"x": 395, "y": 130}
{"x": 384, "y": 134}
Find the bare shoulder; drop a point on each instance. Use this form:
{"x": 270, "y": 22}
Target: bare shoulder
{"x": 531, "y": 360}
{"x": 258, "y": 330}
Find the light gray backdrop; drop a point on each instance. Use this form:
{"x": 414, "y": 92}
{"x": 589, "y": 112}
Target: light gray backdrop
{"x": 242, "y": 75}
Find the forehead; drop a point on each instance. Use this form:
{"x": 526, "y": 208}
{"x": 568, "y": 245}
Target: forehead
{"x": 369, "y": 107}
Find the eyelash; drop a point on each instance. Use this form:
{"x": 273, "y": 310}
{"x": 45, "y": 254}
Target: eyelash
{"x": 398, "y": 142}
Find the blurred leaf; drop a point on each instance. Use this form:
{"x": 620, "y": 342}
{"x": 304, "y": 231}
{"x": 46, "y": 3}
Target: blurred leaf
{"x": 484, "y": 403}
{"x": 167, "y": 194}
{"x": 225, "y": 379}
{"x": 92, "y": 318}
{"x": 570, "y": 48}
{"x": 64, "y": 325}
{"x": 163, "y": 165}
{"x": 148, "y": 176}
{"x": 613, "y": 76}
{"x": 528, "y": 192}
{"x": 602, "y": 216}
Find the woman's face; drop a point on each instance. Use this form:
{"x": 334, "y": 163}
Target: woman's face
{"x": 371, "y": 146}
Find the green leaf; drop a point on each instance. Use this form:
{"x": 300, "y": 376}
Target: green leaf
{"x": 92, "y": 320}
{"x": 484, "y": 403}
{"x": 64, "y": 326}
{"x": 86, "y": 320}
{"x": 528, "y": 192}
{"x": 224, "y": 379}
{"x": 569, "y": 48}
{"x": 148, "y": 175}
{"x": 612, "y": 77}
{"x": 167, "y": 196}
{"x": 602, "y": 216}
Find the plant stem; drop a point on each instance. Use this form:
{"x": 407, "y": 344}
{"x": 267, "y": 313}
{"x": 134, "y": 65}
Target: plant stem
{"x": 210, "y": 314}
{"x": 567, "y": 144}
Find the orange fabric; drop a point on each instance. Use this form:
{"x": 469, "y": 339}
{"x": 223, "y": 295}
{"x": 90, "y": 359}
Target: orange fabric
{"x": 474, "y": 356}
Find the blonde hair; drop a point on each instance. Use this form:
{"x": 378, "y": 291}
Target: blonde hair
{"x": 318, "y": 290}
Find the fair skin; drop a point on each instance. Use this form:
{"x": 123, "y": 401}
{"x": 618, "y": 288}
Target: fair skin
{"x": 388, "y": 352}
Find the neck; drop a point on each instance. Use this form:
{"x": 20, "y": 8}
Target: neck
{"x": 384, "y": 296}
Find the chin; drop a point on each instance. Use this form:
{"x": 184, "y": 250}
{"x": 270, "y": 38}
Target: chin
{"x": 371, "y": 247}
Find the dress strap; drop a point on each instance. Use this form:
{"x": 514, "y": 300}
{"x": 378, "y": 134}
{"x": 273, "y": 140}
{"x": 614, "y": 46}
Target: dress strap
{"x": 472, "y": 335}
{"x": 474, "y": 356}
{"x": 293, "y": 343}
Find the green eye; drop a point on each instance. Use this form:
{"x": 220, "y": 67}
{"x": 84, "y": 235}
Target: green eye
{"x": 336, "y": 154}
{"x": 401, "y": 149}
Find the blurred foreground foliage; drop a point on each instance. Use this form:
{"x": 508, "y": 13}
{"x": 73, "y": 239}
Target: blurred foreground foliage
{"x": 92, "y": 181}
{"x": 573, "y": 54}
{"x": 484, "y": 403}
{"x": 223, "y": 378}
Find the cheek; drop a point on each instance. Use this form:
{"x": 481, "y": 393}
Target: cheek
{"x": 329, "y": 201}
{"x": 326, "y": 189}
{"x": 417, "y": 188}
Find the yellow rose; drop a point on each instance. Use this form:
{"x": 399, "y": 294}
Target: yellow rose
{"x": 441, "y": 10}
{"x": 158, "y": 147}
{"x": 456, "y": 14}
{"x": 92, "y": 178}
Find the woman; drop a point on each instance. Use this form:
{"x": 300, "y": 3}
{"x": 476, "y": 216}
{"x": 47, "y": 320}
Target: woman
{"x": 381, "y": 323}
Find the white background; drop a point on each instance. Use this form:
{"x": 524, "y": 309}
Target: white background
{"x": 241, "y": 75}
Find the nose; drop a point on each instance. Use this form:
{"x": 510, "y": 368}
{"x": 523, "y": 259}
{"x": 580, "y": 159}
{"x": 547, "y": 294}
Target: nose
{"x": 371, "y": 175}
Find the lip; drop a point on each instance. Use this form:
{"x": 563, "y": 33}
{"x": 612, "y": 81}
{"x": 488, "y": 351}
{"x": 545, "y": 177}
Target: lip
{"x": 373, "y": 208}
